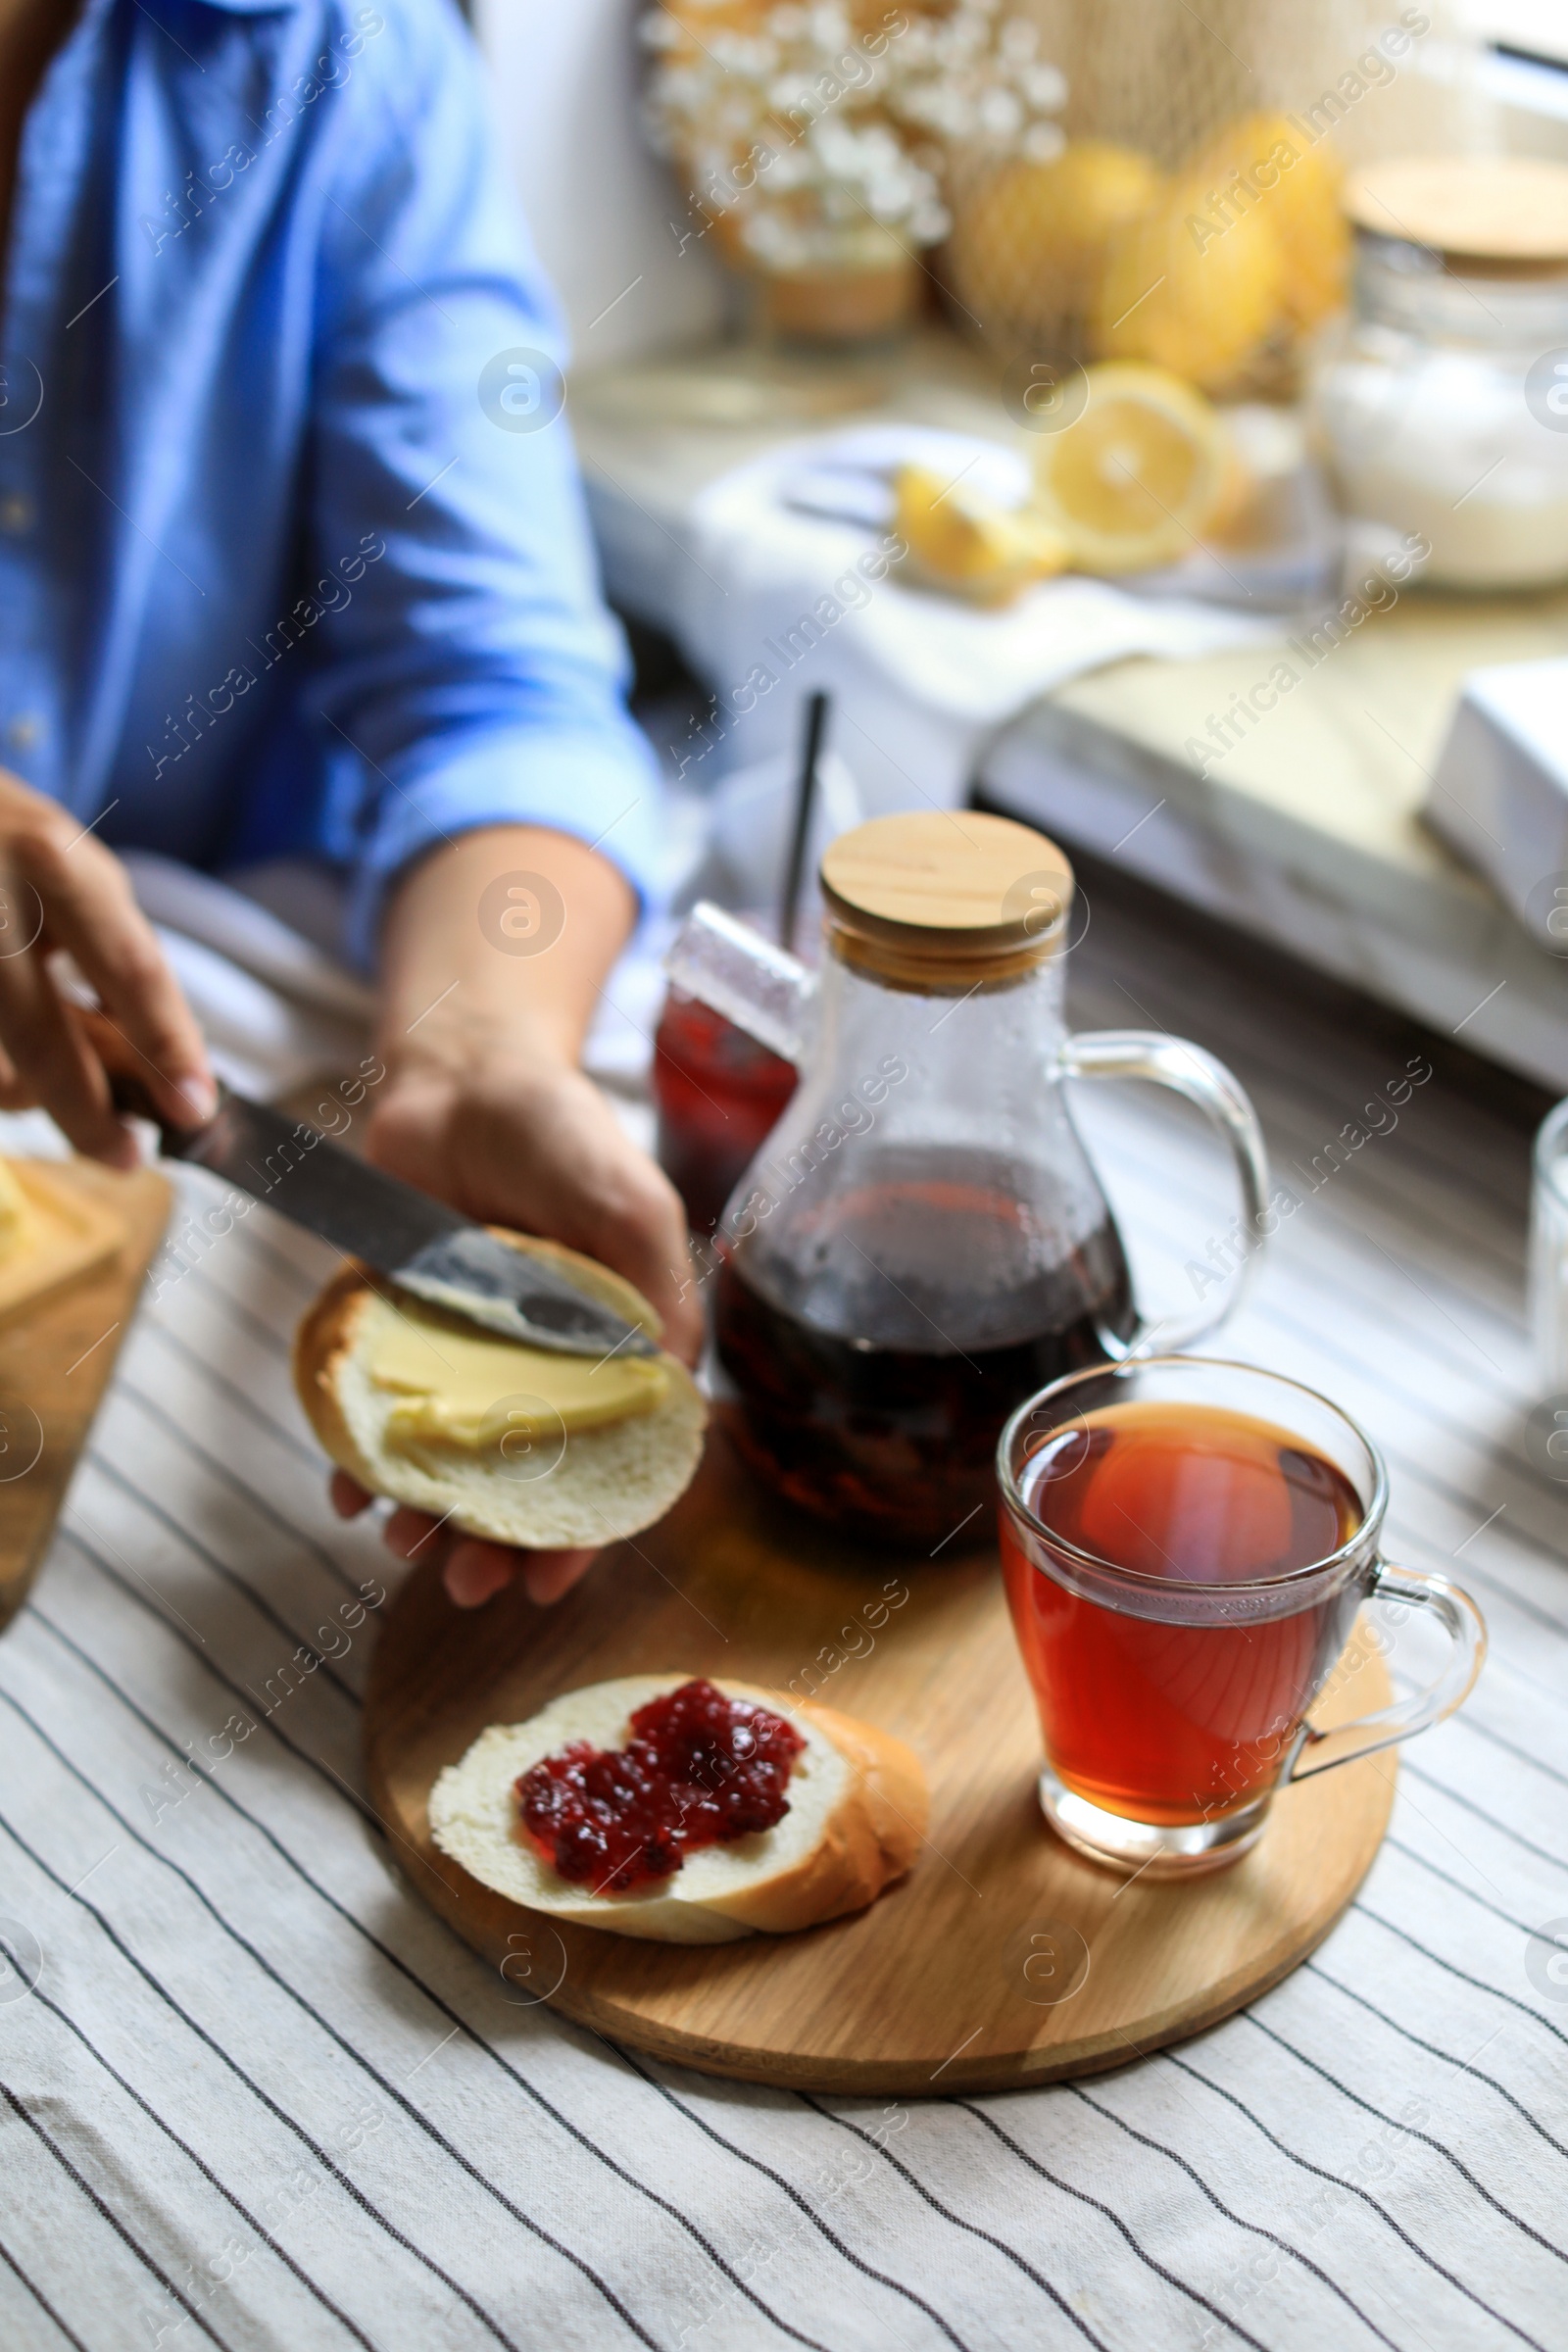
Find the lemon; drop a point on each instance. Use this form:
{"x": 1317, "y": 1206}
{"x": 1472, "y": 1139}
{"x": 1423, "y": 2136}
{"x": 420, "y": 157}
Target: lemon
{"x": 1028, "y": 248}
{"x": 961, "y": 541}
{"x": 1184, "y": 292}
{"x": 1132, "y": 482}
{"x": 1297, "y": 192}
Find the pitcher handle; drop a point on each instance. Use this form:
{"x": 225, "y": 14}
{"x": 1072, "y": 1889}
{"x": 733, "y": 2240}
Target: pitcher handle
{"x": 1462, "y": 1621}
{"x": 1171, "y": 1061}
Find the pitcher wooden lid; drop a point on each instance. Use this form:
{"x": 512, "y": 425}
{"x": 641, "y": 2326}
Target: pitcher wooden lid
{"x": 942, "y": 896}
{"x": 1509, "y": 208}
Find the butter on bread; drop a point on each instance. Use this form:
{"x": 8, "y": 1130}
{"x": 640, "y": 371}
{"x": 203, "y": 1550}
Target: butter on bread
{"x": 468, "y": 1389}
{"x": 857, "y": 1813}
{"x": 515, "y": 1468}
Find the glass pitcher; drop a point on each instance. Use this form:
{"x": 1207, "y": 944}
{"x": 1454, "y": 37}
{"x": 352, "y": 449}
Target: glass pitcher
{"x": 921, "y": 1243}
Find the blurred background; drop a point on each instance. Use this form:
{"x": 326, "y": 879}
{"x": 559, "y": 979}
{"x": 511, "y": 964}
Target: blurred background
{"x": 1208, "y": 369}
{"x": 570, "y": 85}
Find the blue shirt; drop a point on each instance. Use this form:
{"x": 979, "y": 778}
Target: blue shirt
{"x": 293, "y": 557}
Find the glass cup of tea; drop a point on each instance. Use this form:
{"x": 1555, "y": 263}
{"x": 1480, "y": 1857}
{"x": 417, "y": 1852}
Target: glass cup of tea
{"x": 1185, "y": 1544}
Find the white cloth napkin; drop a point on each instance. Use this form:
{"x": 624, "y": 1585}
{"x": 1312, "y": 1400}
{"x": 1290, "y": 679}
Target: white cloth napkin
{"x": 255, "y": 2071}
{"x": 760, "y": 568}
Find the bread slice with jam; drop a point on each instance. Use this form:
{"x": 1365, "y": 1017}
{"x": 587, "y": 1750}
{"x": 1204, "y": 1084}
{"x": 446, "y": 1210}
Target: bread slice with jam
{"x": 856, "y": 1800}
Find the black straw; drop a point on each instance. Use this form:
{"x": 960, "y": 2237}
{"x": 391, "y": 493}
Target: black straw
{"x": 816, "y": 710}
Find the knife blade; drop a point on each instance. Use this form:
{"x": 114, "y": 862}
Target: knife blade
{"x": 419, "y": 1244}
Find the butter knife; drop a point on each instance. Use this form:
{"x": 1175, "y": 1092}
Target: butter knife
{"x": 416, "y": 1241}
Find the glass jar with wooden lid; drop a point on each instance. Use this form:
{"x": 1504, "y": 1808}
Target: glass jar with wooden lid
{"x": 922, "y": 1241}
{"x": 1442, "y": 406}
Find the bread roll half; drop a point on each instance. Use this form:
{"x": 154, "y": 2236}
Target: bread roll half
{"x": 603, "y": 1483}
{"x": 857, "y": 1813}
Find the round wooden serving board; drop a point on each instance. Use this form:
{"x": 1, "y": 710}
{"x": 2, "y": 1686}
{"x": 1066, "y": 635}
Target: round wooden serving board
{"x": 953, "y": 1980}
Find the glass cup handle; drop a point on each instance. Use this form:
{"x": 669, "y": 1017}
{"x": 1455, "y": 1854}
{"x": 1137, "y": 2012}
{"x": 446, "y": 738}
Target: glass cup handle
{"x": 1462, "y": 1621}
{"x": 1171, "y": 1061}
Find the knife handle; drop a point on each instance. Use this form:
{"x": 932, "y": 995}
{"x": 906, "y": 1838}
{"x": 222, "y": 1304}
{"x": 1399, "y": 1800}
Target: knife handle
{"x": 132, "y": 1098}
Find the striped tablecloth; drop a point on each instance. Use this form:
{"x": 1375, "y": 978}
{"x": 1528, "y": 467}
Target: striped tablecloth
{"x": 254, "y": 2094}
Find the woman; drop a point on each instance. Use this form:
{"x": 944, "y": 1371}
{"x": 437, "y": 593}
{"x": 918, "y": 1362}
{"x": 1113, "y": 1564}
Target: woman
{"x": 293, "y": 563}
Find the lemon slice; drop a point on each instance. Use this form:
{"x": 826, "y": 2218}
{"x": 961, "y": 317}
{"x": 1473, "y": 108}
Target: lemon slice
{"x": 1134, "y": 480}
{"x": 969, "y": 545}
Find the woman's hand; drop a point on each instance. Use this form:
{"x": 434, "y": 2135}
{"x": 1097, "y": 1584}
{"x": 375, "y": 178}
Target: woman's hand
{"x": 515, "y": 1138}
{"x": 60, "y": 887}
{"x": 485, "y": 1106}
{"x": 473, "y": 1570}
{"x": 538, "y": 1148}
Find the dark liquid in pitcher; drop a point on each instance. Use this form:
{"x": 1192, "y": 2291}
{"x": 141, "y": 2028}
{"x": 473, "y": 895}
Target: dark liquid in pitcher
{"x": 895, "y": 1437}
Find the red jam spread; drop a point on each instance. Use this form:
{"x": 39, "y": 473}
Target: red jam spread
{"x": 699, "y": 1768}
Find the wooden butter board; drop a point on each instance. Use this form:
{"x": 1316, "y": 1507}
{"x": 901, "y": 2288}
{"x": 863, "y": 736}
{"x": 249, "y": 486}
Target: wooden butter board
{"x": 70, "y": 1231}
{"x": 58, "y": 1349}
{"x": 946, "y": 1984}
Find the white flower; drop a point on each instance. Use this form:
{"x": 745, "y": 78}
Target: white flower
{"x": 835, "y": 157}
{"x": 1044, "y": 88}
{"x": 792, "y": 168}
{"x": 1043, "y": 142}
{"x": 1000, "y": 115}
{"x": 830, "y": 26}
{"x": 791, "y": 90}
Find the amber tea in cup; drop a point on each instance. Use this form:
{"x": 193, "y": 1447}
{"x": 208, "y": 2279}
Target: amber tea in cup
{"x": 1186, "y": 1546}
